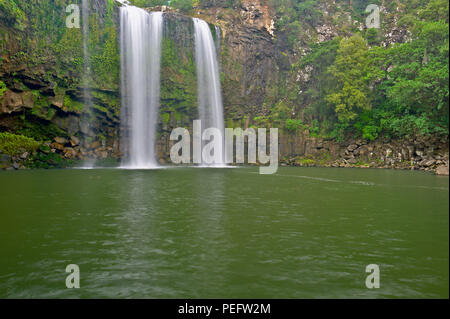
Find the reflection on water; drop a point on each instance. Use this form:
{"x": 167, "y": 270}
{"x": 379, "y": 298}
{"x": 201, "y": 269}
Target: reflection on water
{"x": 189, "y": 232}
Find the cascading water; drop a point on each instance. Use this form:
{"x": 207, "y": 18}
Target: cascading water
{"x": 140, "y": 44}
{"x": 87, "y": 98}
{"x": 87, "y": 68}
{"x": 218, "y": 38}
{"x": 209, "y": 88}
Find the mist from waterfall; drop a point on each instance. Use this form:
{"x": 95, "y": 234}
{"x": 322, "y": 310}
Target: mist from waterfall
{"x": 209, "y": 88}
{"x": 140, "y": 50}
{"x": 87, "y": 98}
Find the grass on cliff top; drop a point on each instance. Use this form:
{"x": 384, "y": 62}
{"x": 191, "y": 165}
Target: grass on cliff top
{"x": 13, "y": 144}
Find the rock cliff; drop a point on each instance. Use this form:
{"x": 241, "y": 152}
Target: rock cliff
{"x": 41, "y": 69}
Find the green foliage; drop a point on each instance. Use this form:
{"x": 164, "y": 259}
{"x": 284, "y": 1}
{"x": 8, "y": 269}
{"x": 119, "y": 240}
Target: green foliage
{"x": 148, "y": 3}
{"x": 359, "y": 6}
{"x": 411, "y": 125}
{"x": 166, "y": 117}
{"x": 420, "y": 76}
{"x": 178, "y": 79}
{"x": 72, "y": 105}
{"x": 322, "y": 83}
{"x": 106, "y": 63}
{"x": 436, "y": 10}
{"x": 338, "y": 132}
{"x": 281, "y": 111}
{"x": 294, "y": 18}
{"x": 372, "y": 36}
{"x": 13, "y": 144}
{"x": 314, "y": 128}
{"x": 416, "y": 86}
{"x": 306, "y": 161}
{"x": 182, "y": 5}
{"x": 293, "y": 125}
{"x": 3, "y": 88}
{"x": 349, "y": 88}
{"x": 39, "y": 130}
{"x": 49, "y": 42}
{"x": 307, "y": 11}
{"x": 49, "y": 160}
{"x": 351, "y": 70}
{"x": 367, "y": 127}
{"x": 104, "y": 49}
{"x": 110, "y": 103}
{"x": 11, "y": 13}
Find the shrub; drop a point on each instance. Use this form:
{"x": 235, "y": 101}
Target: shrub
{"x": 2, "y": 88}
{"x": 293, "y": 125}
{"x": 12, "y": 144}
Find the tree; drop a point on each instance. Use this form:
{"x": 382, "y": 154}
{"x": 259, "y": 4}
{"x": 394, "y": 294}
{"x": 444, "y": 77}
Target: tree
{"x": 351, "y": 71}
{"x": 417, "y": 89}
{"x": 436, "y": 10}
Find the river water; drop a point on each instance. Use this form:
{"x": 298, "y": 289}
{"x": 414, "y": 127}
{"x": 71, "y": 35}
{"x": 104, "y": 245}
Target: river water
{"x": 224, "y": 233}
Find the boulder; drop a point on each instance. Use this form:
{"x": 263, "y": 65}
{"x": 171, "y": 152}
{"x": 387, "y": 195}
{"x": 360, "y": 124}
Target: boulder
{"x": 442, "y": 170}
{"x": 24, "y": 155}
{"x": 57, "y": 101}
{"x": 60, "y": 140}
{"x": 429, "y": 163}
{"x": 69, "y": 152}
{"x": 363, "y": 151}
{"x": 28, "y": 101}
{"x": 95, "y": 145}
{"x": 57, "y": 146}
{"x": 388, "y": 153}
{"x": 11, "y": 102}
{"x": 74, "y": 141}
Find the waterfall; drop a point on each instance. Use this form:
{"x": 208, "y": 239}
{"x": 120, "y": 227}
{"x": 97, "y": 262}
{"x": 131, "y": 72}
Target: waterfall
{"x": 218, "y": 39}
{"x": 140, "y": 45}
{"x": 86, "y": 66}
{"x": 209, "y": 89}
{"x": 87, "y": 98}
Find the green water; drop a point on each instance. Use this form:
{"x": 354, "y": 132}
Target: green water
{"x": 220, "y": 233}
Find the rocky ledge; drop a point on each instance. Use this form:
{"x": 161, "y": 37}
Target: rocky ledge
{"x": 428, "y": 154}
{"x": 62, "y": 152}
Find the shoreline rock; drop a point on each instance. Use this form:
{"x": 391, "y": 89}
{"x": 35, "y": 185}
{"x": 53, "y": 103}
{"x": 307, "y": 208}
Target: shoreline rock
{"x": 442, "y": 170}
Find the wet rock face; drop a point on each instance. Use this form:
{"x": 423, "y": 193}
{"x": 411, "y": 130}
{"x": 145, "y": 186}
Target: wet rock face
{"x": 43, "y": 97}
{"x": 250, "y": 57}
{"x": 258, "y": 14}
{"x": 249, "y": 62}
